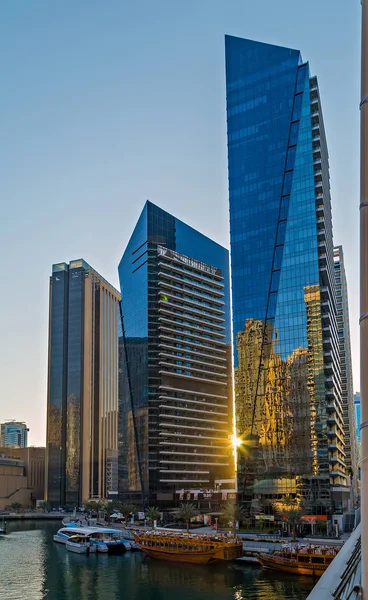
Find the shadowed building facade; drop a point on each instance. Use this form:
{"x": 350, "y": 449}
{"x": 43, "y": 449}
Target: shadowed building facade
{"x": 342, "y": 305}
{"x": 175, "y": 399}
{"x": 287, "y": 372}
{"x": 82, "y": 398}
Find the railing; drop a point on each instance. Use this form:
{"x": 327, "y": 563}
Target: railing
{"x": 342, "y": 579}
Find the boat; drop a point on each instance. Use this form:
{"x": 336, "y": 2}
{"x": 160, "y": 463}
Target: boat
{"x": 111, "y": 538}
{"x": 73, "y": 523}
{"x": 105, "y": 539}
{"x": 81, "y": 544}
{"x": 65, "y": 533}
{"x": 299, "y": 559}
{"x": 188, "y": 547}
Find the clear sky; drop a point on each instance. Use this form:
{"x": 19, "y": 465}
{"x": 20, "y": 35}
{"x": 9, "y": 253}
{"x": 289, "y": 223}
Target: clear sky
{"x": 105, "y": 103}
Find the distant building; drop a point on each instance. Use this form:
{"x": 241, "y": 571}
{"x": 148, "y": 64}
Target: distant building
{"x": 176, "y": 387}
{"x": 14, "y": 434}
{"x": 13, "y": 483}
{"x": 82, "y": 397}
{"x": 33, "y": 459}
{"x": 286, "y": 350}
{"x": 347, "y": 388}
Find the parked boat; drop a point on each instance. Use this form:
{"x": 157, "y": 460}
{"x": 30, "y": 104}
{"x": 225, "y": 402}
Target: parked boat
{"x": 302, "y": 560}
{"x": 188, "y": 547}
{"x": 105, "y": 539}
{"x": 65, "y": 533}
{"x": 70, "y": 522}
{"x": 81, "y": 544}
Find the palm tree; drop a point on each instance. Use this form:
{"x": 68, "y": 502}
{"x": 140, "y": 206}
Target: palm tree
{"x": 109, "y": 509}
{"x": 153, "y": 514}
{"x": 126, "y": 509}
{"x": 293, "y": 517}
{"x": 233, "y": 513}
{"x": 187, "y": 512}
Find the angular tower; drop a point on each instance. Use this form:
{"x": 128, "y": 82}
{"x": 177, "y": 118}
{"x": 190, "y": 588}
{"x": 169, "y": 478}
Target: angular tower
{"x": 287, "y": 372}
{"x": 175, "y": 386}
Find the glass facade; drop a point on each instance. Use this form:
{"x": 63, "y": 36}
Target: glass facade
{"x": 287, "y": 377}
{"x": 82, "y": 405}
{"x": 175, "y": 354}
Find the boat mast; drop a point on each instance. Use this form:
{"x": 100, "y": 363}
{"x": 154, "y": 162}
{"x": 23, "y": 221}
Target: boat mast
{"x": 364, "y": 293}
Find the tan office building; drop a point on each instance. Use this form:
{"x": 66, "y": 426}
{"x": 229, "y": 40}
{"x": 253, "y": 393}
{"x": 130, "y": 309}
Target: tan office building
{"x": 82, "y": 403}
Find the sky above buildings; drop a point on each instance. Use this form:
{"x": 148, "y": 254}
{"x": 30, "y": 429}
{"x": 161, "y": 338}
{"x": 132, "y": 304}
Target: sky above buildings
{"x": 107, "y": 103}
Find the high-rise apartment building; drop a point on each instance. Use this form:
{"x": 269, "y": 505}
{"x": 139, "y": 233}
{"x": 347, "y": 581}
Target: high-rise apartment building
{"x": 176, "y": 390}
{"x": 347, "y": 396}
{"x": 14, "y": 434}
{"x": 82, "y": 396}
{"x": 357, "y": 416}
{"x": 287, "y": 373}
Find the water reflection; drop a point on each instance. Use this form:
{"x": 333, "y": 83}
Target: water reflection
{"x": 33, "y": 567}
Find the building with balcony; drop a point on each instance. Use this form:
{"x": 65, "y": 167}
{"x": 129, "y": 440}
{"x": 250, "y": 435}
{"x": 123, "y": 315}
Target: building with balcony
{"x": 357, "y": 418}
{"x": 14, "y": 434}
{"x": 176, "y": 388}
{"x": 347, "y": 396}
{"x": 288, "y": 391}
{"x": 82, "y": 394}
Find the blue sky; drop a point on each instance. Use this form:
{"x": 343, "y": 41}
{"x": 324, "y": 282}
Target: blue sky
{"x": 107, "y": 103}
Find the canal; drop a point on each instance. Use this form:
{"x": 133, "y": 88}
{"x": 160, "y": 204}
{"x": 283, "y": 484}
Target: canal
{"x": 33, "y": 567}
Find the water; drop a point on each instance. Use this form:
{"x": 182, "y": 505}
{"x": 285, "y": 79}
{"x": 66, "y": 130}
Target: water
{"x": 33, "y": 567}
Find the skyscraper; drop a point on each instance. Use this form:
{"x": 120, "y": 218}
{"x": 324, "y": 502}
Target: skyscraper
{"x": 287, "y": 371}
{"x": 347, "y": 396}
{"x": 175, "y": 394}
{"x": 14, "y": 434}
{"x": 82, "y": 396}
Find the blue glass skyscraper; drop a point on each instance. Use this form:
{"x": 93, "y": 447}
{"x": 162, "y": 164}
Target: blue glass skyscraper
{"x": 287, "y": 372}
{"x": 175, "y": 388}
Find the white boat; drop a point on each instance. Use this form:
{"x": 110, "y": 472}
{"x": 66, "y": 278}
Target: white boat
{"x": 65, "y": 533}
{"x": 80, "y": 544}
{"x": 102, "y": 537}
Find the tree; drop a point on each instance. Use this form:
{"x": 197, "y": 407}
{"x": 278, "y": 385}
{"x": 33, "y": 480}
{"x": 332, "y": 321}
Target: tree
{"x": 126, "y": 509}
{"x": 15, "y": 505}
{"x": 233, "y": 513}
{"x": 109, "y": 509}
{"x": 94, "y": 505}
{"x": 187, "y": 512}
{"x": 293, "y": 516}
{"x": 44, "y": 506}
{"x": 153, "y": 514}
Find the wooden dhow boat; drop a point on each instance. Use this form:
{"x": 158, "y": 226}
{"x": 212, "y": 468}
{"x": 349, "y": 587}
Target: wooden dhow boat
{"x": 188, "y": 547}
{"x": 301, "y": 560}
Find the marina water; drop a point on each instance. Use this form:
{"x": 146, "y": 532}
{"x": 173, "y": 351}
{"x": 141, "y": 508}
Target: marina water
{"x": 33, "y": 567}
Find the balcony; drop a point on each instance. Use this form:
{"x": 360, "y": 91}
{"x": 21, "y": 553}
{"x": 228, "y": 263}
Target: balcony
{"x": 213, "y": 278}
{"x": 194, "y": 351}
{"x": 205, "y": 288}
{"x": 175, "y": 305}
{"x": 193, "y": 368}
{"x": 195, "y": 393}
{"x": 191, "y": 377}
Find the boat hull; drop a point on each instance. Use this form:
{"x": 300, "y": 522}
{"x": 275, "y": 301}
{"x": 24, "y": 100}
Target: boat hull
{"x": 268, "y": 562}
{"x": 80, "y": 549}
{"x": 198, "y": 559}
